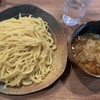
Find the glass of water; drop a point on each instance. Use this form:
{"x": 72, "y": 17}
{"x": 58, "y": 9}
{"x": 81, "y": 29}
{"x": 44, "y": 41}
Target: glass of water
{"x": 74, "y": 10}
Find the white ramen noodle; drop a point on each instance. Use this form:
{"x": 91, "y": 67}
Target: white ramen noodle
{"x": 26, "y": 51}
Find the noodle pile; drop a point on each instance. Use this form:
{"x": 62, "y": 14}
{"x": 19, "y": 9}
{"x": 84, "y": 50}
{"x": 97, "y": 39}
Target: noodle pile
{"x": 26, "y": 51}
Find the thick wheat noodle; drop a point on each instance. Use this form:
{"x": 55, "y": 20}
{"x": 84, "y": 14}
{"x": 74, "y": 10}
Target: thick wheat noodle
{"x": 26, "y": 51}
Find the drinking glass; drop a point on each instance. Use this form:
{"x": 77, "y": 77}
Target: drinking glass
{"x": 74, "y": 10}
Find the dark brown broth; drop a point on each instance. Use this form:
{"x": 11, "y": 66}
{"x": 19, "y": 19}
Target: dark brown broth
{"x": 86, "y": 51}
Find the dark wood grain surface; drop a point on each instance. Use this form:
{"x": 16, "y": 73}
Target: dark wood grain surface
{"x": 72, "y": 85}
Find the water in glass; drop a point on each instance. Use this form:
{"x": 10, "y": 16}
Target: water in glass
{"x": 74, "y": 10}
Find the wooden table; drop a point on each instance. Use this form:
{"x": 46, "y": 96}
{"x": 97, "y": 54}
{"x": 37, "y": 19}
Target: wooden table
{"x": 72, "y": 85}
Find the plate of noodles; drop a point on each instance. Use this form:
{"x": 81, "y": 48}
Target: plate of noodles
{"x": 33, "y": 50}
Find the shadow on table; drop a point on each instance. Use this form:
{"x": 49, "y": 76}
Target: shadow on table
{"x": 91, "y": 83}
{"x": 83, "y": 85}
{"x": 66, "y": 73}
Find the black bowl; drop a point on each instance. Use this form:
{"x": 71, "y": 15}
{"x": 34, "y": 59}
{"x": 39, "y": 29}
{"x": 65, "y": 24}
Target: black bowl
{"x": 89, "y": 27}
